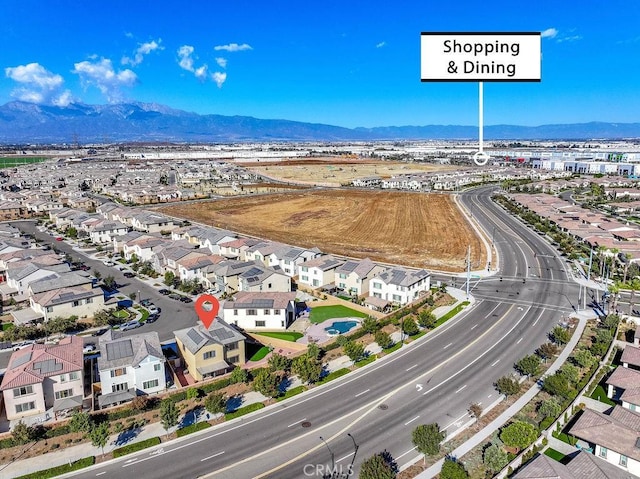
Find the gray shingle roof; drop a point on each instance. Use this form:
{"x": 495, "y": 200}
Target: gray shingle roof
{"x": 117, "y": 351}
{"x": 402, "y": 277}
{"x": 195, "y": 338}
{"x": 58, "y": 281}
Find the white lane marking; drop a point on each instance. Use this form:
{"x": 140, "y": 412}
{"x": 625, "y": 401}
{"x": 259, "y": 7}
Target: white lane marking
{"x": 101, "y": 473}
{"x": 535, "y": 322}
{"x": 518, "y": 341}
{"x": 297, "y": 422}
{"x": 460, "y": 389}
{"x": 480, "y": 403}
{"x": 343, "y": 458}
{"x": 405, "y": 453}
{"x": 494, "y": 363}
{"x": 447, "y": 346}
{"x": 363, "y": 392}
{"x": 489, "y": 396}
{"x": 414, "y": 366}
{"x": 411, "y": 420}
{"x": 455, "y": 421}
{"x": 211, "y": 457}
{"x": 474, "y": 327}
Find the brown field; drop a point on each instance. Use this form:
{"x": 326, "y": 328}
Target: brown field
{"x": 421, "y": 230}
{"x": 336, "y": 171}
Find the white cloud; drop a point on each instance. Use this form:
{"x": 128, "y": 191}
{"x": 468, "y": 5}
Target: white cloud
{"x": 102, "y": 75}
{"x": 142, "y": 50}
{"x": 572, "y": 38}
{"x": 201, "y": 72}
{"x": 222, "y": 62}
{"x": 381, "y": 44}
{"x": 38, "y": 85}
{"x": 219, "y": 78}
{"x": 549, "y": 33}
{"x": 233, "y": 47}
{"x": 186, "y": 62}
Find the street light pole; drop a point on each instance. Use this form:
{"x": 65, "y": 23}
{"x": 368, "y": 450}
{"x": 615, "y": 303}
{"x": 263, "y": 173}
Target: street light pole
{"x": 333, "y": 462}
{"x": 355, "y": 452}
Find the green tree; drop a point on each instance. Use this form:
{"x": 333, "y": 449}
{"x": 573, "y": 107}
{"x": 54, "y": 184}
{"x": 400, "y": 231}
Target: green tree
{"x": 278, "y": 362}
{"x": 101, "y": 318}
{"x": 383, "y": 339}
{"x": 519, "y": 434}
{"x": 99, "y": 435}
{"x": 409, "y": 327}
{"x": 611, "y": 322}
{"x": 80, "y": 422}
{"x": 376, "y": 467}
{"x": 307, "y": 368}
{"x": 239, "y": 375}
{"x": 495, "y": 458}
{"x": 507, "y": 385}
{"x": 21, "y": 433}
{"x": 370, "y": 325}
{"x": 560, "y": 335}
{"x": 557, "y": 385}
{"x": 314, "y": 351}
{"x": 529, "y": 365}
{"x": 109, "y": 282}
{"x": 354, "y": 350}
{"x": 426, "y": 319}
{"x": 97, "y": 274}
{"x": 215, "y": 403}
{"x": 60, "y": 325}
{"x": 133, "y": 295}
{"x": 550, "y": 408}
{"x": 71, "y": 232}
{"x": 547, "y": 351}
{"x": 266, "y": 383}
{"x": 169, "y": 278}
{"x": 452, "y": 469}
{"x": 570, "y": 372}
{"x": 583, "y": 358}
{"x": 168, "y": 414}
{"x": 427, "y": 438}
{"x": 193, "y": 393}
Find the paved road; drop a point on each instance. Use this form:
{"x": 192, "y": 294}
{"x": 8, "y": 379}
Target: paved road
{"x": 434, "y": 379}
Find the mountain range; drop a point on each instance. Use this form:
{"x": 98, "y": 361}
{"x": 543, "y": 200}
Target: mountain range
{"x": 22, "y": 122}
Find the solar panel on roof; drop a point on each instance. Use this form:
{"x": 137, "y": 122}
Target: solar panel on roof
{"x": 47, "y": 366}
{"x": 194, "y": 336}
{"x": 221, "y": 334}
{"x": 253, "y": 271}
{"x": 19, "y": 361}
{"x": 119, "y": 350}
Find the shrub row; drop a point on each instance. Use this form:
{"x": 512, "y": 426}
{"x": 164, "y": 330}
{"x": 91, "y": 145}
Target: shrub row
{"x": 292, "y": 392}
{"x": 334, "y": 375}
{"x": 59, "y": 470}
{"x": 136, "y": 446}
{"x": 199, "y": 426}
{"x": 243, "y": 410}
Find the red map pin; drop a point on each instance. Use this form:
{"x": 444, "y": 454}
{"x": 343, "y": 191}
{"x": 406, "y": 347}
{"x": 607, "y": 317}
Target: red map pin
{"x": 207, "y": 316}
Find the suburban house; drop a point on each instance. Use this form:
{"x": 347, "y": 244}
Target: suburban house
{"x": 260, "y": 278}
{"x": 210, "y": 352}
{"x": 212, "y": 238}
{"x": 44, "y": 377}
{"x": 290, "y": 257}
{"x": 129, "y": 366}
{"x": 353, "y": 276}
{"x": 623, "y": 384}
{"x": 319, "y": 271}
{"x": 143, "y": 247}
{"x": 399, "y": 285}
{"x": 166, "y": 257}
{"x": 582, "y": 465}
{"x": 260, "y": 311}
{"x": 237, "y": 248}
{"x": 103, "y": 231}
{"x": 151, "y": 222}
{"x": 192, "y": 267}
{"x": 225, "y": 276}
{"x": 613, "y": 437}
{"x": 21, "y": 274}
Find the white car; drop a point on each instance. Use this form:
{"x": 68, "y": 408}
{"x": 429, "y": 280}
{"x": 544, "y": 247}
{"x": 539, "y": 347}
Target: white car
{"x": 22, "y": 344}
{"x": 108, "y": 263}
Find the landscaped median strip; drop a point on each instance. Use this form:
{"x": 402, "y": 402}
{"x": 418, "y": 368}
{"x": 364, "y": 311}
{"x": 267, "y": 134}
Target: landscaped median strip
{"x": 243, "y": 410}
{"x": 59, "y": 470}
{"x": 136, "y": 446}
{"x": 199, "y": 426}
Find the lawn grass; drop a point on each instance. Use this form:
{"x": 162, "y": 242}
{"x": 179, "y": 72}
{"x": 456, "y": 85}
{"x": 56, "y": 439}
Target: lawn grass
{"x": 334, "y": 375}
{"x": 322, "y": 313}
{"x": 443, "y": 319}
{"x": 7, "y": 326}
{"x": 287, "y": 336}
{"x": 243, "y": 410}
{"x": 145, "y": 315}
{"x": 199, "y": 426}
{"x": 369, "y": 359}
{"x": 553, "y": 454}
{"x": 59, "y": 470}
{"x": 393, "y": 348}
{"x": 599, "y": 394}
{"x": 260, "y": 353}
{"x": 292, "y": 392}
{"x": 136, "y": 446}
{"x": 120, "y": 314}
{"x": 564, "y": 438}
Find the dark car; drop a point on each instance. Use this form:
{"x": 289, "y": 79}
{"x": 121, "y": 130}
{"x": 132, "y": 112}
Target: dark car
{"x": 100, "y": 332}
{"x": 185, "y": 299}
{"x": 164, "y": 292}
{"x": 175, "y": 296}
{"x": 129, "y": 274}
{"x": 145, "y": 302}
{"x": 153, "y": 318}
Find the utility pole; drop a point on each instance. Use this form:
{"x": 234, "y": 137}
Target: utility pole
{"x": 333, "y": 462}
{"x": 590, "y": 262}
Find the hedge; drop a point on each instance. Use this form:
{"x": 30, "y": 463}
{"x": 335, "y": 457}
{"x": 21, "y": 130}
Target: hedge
{"x": 59, "y": 470}
{"x": 199, "y": 426}
{"x": 136, "y": 446}
{"x": 243, "y": 410}
{"x": 292, "y": 392}
{"x": 334, "y": 375}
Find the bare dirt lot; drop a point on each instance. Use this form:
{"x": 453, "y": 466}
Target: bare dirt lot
{"x": 336, "y": 171}
{"x": 421, "y": 230}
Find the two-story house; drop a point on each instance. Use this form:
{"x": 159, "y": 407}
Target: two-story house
{"x": 129, "y": 366}
{"x": 210, "y": 352}
{"x": 260, "y": 311}
{"x": 399, "y": 285}
{"x": 354, "y": 275}
{"x": 260, "y": 278}
{"x": 318, "y": 272}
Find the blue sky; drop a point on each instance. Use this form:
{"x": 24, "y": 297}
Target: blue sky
{"x": 347, "y": 63}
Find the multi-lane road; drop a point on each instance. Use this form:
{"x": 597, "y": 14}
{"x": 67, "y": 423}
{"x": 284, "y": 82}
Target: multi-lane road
{"x": 434, "y": 379}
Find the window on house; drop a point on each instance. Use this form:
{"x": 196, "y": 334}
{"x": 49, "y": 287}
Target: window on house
{"x": 27, "y": 406}
{"x": 74, "y": 375}
{"x": 276, "y": 312}
{"x": 49, "y": 309}
{"x": 623, "y": 460}
{"x": 233, "y": 359}
{"x": 269, "y": 286}
{"x": 89, "y": 300}
{"x": 150, "y": 384}
{"x": 282, "y": 323}
{"x": 209, "y": 355}
{"x": 603, "y": 452}
{"x": 117, "y": 388}
{"x": 65, "y": 393}
{"x": 75, "y": 304}
{"x": 343, "y": 276}
{"x": 232, "y": 346}
{"x": 267, "y": 312}
{"x": 397, "y": 297}
{"x": 235, "y": 312}
{"x": 305, "y": 269}
{"x": 22, "y": 391}
{"x": 377, "y": 286}
{"x": 305, "y": 278}
{"x": 63, "y": 378}
{"x": 260, "y": 324}
{"x": 118, "y": 372}
{"x": 252, "y": 312}
{"x": 157, "y": 367}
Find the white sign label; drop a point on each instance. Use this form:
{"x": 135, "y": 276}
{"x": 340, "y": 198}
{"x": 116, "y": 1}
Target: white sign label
{"x": 507, "y": 57}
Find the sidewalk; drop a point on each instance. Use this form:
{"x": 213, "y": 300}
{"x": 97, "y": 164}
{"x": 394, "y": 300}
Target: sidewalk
{"x": 497, "y": 423}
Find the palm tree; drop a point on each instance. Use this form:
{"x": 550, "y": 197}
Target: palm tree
{"x": 635, "y": 286}
{"x": 614, "y": 291}
{"x": 627, "y": 262}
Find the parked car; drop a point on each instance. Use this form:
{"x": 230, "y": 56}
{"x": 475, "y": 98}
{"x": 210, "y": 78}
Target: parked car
{"x": 145, "y": 302}
{"x": 153, "y": 308}
{"x": 129, "y": 274}
{"x": 108, "y": 263}
{"x": 186, "y": 299}
{"x": 164, "y": 292}
{"x": 89, "y": 348}
{"x": 153, "y": 318}
{"x": 23, "y": 344}
{"x": 130, "y": 325}
{"x": 175, "y": 296}
{"x": 100, "y": 332}
{"x": 59, "y": 238}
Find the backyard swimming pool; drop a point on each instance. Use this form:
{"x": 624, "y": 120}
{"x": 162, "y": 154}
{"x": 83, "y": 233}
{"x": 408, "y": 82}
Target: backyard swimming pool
{"x": 340, "y": 327}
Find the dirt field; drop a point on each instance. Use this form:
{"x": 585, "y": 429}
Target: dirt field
{"x": 337, "y": 171}
{"x": 422, "y": 230}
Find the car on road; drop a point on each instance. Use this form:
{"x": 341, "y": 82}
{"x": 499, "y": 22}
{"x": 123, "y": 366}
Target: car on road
{"x": 153, "y": 318}
{"x": 146, "y": 302}
{"x": 89, "y": 348}
{"x": 100, "y": 332}
{"x": 129, "y": 274}
{"x": 22, "y": 344}
{"x": 59, "y": 238}
{"x": 175, "y": 296}
{"x": 164, "y": 292}
{"x": 186, "y": 299}
{"x": 108, "y": 263}
{"x": 130, "y": 325}
{"x": 153, "y": 308}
